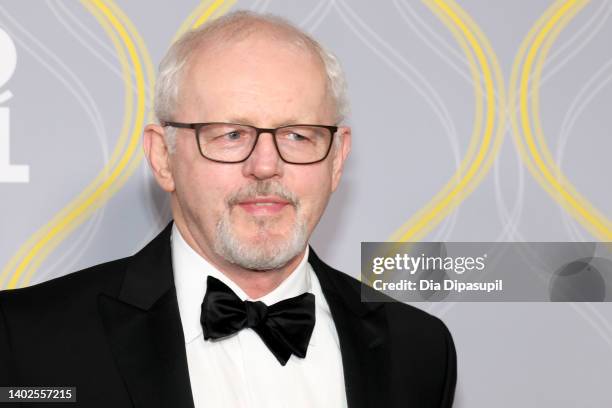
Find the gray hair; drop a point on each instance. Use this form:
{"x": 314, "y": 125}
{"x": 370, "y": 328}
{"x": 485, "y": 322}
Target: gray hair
{"x": 233, "y": 26}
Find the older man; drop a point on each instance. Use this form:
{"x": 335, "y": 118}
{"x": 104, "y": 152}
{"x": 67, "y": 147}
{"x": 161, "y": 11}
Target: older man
{"x": 228, "y": 306}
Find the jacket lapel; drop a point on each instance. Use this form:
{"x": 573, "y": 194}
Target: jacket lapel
{"x": 362, "y": 331}
{"x": 144, "y": 329}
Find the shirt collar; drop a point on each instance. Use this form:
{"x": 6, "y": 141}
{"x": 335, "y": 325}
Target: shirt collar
{"x": 190, "y": 274}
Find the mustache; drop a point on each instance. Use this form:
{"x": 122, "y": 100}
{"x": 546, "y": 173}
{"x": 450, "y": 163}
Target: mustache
{"x": 262, "y": 188}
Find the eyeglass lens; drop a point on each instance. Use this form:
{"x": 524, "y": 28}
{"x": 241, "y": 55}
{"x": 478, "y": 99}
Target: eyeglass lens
{"x": 230, "y": 142}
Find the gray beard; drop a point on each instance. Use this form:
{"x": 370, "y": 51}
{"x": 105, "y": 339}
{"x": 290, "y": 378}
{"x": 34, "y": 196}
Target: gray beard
{"x": 264, "y": 254}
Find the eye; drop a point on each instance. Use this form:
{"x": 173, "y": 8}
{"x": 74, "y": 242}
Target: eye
{"x": 234, "y": 135}
{"x": 296, "y": 137}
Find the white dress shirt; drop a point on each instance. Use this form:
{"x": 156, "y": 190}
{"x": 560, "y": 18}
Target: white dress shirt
{"x": 239, "y": 370}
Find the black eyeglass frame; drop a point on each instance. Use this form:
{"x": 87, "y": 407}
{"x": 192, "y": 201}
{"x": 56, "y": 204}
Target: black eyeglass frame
{"x": 197, "y": 126}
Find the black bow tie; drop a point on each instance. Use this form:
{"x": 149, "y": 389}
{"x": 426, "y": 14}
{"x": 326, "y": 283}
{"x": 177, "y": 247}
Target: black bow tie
{"x": 285, "y": 327}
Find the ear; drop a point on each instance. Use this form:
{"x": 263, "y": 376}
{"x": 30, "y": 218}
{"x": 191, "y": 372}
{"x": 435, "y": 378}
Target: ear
{"x": 341, "y": 152}
{"x": 158, "y": 156}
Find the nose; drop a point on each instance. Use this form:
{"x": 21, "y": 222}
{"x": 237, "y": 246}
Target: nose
{"x": 264, "y": 162}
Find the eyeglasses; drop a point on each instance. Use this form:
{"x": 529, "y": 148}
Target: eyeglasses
{"x": 234, "y": 143}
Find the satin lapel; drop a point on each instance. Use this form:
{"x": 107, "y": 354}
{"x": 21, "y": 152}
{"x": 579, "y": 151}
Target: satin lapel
{"x": 144, "y": 330}
{"x": 363, "y": 334}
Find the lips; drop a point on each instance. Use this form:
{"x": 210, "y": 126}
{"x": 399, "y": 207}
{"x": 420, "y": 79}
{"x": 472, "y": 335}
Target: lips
{"x": 264, "y": 205}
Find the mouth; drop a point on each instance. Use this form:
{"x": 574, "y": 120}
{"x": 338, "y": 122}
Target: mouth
{"x": 264, "y": 205}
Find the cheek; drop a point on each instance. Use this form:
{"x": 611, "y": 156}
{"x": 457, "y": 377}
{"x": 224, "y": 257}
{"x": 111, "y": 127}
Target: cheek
{"x": 313, "y": 186}
{"x": 202, "y": 187}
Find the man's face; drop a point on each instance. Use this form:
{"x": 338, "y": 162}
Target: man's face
{"x": 258, "y": 213}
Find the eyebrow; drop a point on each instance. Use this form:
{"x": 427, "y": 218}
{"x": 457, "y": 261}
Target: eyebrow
{"x": 245, "y": 121}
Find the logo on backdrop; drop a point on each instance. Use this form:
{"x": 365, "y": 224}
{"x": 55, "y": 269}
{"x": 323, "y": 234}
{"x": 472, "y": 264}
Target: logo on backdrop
{"x": 9, "y": 173}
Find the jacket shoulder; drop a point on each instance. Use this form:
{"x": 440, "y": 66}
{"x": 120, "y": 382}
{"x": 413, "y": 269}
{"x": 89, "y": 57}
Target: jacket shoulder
{"x": 105, "y": 277}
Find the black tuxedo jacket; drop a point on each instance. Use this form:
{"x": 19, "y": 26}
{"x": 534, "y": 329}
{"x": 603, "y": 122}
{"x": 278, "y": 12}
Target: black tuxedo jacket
{"x": 114, "y": 332}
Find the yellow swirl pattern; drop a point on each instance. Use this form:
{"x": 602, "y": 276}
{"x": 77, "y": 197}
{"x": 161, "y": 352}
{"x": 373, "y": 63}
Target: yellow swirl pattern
{"x": 534, "y": 151}
{"x": 472, "y": 169}
{"x": 96, "y": 193}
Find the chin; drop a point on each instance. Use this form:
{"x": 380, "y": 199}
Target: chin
{"x": 258, "y": 228}
{"x": 259, "y": 248}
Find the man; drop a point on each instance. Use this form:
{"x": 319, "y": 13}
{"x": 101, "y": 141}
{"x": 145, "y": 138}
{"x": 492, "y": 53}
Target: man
{"x": 229, "y": 306}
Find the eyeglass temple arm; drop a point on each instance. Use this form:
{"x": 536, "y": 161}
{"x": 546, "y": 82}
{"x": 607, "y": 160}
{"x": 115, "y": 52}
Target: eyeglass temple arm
{"x": 164, "y": 123}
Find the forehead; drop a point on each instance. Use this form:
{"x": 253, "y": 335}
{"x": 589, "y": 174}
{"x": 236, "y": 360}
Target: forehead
{"x": 259, "y": 77}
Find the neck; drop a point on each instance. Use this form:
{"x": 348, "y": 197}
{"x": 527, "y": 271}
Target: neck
{"x": 255, "y": 283}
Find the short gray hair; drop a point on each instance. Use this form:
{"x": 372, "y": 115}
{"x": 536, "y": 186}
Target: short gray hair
{"x": 230, "y": 27}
